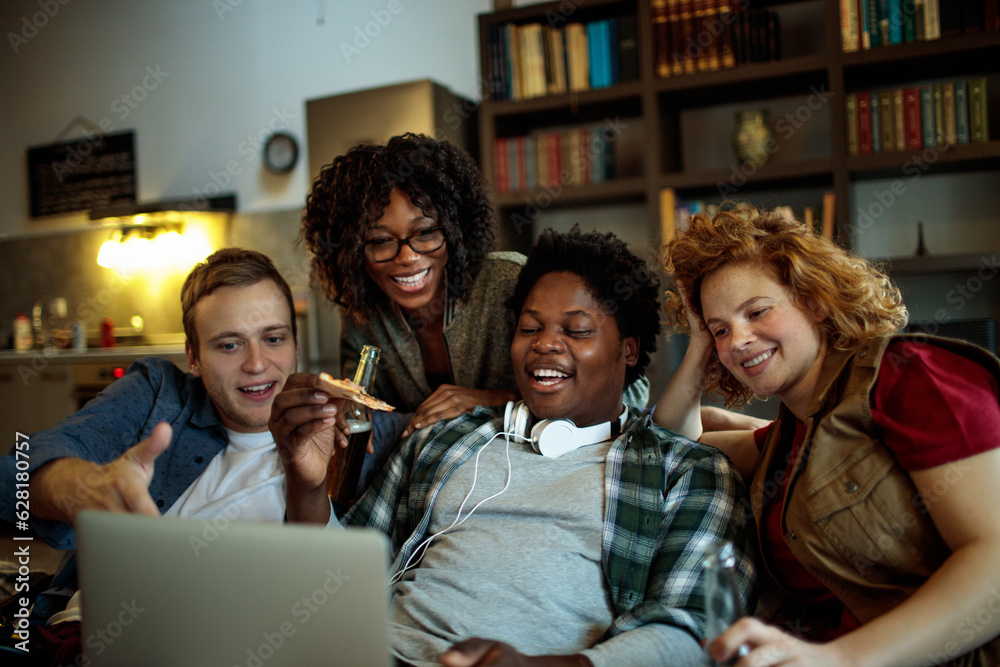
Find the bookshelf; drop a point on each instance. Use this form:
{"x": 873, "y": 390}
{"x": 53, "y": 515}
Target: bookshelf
{"x": 677, "y": 128}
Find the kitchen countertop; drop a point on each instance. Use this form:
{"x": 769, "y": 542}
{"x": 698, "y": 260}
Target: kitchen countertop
{"x": 113, "y": 355}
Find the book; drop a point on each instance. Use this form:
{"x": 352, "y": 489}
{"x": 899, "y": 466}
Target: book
{"x": 668, "y": 213}
{"x": 948, "y": 105}
{"x": 849, "y": 36}
{"x": 727, "y": 39}
{"x": 928, "y": 135}
{"x": 913, "y": 129}
{"x": 596, "y": 63}
{"x": 628, "y": 48}
{"x": 938, "y": 115}
{"x": 909, "y": 10}
{"x": 872, "y": 23}
{"x": 829, "y": 204}
{"x": 895, "y": 17}
{"x": 578, "y": 68}
{"x": 932, "y": 21}
{"x": 513, "y": 51}
{"x": 888, "y": 117}
{"x": 677, "y": 45}
{"x": 918, "y": 20}
{"x": 978, "y": 120}
{"x": 864, "y": 123}
{"x": 661, "y": 38}
{"x": 853, "y": 141}
{"x": 898, "y": 120}
{"x": 876, "y": 124}
{"x": 962, "y": 112}
{"x": 864, "y": 6}
{"x": 687, "y": 36}
{"x": 558, "y": 83}
{"x": 500, "y": 171}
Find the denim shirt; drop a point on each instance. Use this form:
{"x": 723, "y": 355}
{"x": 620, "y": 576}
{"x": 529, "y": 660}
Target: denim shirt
{"x": 153, "y": 390}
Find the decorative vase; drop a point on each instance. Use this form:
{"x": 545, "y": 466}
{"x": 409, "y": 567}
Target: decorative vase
{"x": 752, "y": 136}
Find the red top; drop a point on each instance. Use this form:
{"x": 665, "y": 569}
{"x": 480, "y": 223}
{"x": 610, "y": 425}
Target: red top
{"x": 934, "y": 407}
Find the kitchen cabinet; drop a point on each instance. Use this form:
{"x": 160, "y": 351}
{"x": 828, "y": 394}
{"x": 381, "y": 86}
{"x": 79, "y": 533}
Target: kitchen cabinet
{"x": 33, "y": 398}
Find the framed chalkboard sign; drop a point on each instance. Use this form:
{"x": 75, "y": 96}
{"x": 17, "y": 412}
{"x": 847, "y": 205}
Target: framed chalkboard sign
{"x": 97, "y": 172}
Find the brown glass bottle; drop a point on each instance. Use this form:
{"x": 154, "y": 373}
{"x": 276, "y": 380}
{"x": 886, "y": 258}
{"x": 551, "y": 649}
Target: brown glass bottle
{"x": 344, "y": 470}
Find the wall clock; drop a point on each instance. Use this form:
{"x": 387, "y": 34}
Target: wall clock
{"x": 281, "y": 152}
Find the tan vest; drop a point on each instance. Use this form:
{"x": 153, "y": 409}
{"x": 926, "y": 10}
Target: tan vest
{"x": 852, "y": 516}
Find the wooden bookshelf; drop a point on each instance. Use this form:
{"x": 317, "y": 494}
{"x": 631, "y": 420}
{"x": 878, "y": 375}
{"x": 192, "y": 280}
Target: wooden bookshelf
{"x": 656, "y": 109}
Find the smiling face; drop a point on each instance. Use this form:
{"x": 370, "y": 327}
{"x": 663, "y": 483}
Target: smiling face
{"x": 569, "y": 357}
{"x": 246, "y": 350}
{"x": 411, "y": 280}
{"x": 763, "y": 338}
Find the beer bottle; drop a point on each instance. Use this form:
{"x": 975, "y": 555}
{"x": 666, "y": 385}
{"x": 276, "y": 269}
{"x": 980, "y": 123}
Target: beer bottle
{"x": 345, "y": 465}
{"x": 722, "y": 599}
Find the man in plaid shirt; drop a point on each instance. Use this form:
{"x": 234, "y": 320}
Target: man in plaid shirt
{"x": 503, "y": 556}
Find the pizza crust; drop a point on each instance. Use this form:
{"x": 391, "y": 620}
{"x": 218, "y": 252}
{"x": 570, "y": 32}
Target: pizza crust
{"x": 352, "y": 392}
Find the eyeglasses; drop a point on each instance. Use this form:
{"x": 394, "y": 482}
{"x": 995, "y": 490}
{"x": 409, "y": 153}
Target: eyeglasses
{"x": 423, "y": 242}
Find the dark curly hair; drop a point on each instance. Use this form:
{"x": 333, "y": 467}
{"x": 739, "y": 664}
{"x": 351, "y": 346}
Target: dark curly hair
{"x": 352, "y": 193}
{"x": 625, "y": 285}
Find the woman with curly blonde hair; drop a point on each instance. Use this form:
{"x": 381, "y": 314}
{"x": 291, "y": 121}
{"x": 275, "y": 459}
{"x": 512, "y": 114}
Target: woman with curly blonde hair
{"x": 874, "y": 490}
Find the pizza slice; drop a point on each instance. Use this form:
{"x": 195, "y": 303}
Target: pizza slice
{"x": 350, "y": 391}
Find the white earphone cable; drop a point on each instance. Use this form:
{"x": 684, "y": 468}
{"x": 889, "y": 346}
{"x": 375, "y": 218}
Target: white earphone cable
{"x": 459, "y": 520}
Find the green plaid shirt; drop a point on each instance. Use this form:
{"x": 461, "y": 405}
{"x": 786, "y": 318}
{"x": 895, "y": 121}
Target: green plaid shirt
{"x": 669, "y": 500}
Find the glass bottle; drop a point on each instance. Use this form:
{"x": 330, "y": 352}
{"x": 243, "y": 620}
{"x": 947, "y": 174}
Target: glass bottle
{"x": 344, "y": 470}
{"x": 722, "y": 599}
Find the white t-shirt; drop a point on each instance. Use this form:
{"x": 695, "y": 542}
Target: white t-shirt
{"x": 244, "y": 482}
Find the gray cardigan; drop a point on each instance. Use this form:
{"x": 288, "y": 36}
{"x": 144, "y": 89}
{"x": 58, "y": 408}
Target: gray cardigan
{"x": 477, "y": 333}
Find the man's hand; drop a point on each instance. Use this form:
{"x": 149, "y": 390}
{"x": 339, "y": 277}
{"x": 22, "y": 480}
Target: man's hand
{"x": 303, "y": 423}
{"x": 487, "y": 652}
{"x": 63, "y": 487}
{"x": 450, "y": 401}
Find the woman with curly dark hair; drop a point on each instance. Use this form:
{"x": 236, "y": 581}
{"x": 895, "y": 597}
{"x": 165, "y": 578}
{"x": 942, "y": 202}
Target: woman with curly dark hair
{"x": 400, "y": 237}
{"x": 875, "y": 489}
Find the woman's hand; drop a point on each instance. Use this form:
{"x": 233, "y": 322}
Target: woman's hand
{"x": 771, "y": 646}
{"x": 450, "y": 401}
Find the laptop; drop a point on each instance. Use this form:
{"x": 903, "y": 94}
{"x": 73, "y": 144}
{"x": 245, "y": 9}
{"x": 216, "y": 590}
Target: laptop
{"x": 169, "y": 591}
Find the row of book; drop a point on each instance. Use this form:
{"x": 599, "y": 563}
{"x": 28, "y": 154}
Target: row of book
{"x": 574, "y": 156}
{"x": 948, "y": 113}
{"x": 533, "y": 60}
{"x": 691, "y": 36}
{"x": 866, "y": 24}
{"x": 676, "y": 213}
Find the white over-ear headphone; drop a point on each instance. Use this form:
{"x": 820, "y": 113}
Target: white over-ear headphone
{"x": 555, "y": 437}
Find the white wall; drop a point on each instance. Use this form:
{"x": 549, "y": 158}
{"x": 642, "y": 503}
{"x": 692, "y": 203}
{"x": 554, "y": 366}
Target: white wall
{"x": 226, "y": 72}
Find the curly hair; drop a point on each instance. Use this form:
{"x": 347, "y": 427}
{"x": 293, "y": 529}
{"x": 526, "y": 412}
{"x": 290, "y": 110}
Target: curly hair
{"x": 351, "y": 194}
{"x": 626, "y": 286}
{"x": 857, "y": 300}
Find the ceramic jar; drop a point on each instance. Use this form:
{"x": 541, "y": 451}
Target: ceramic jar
{"x": 751, "y": 136}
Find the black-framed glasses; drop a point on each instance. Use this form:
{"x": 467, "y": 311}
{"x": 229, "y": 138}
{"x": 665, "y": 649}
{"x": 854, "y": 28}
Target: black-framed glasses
{"x": 423, "y": 242}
